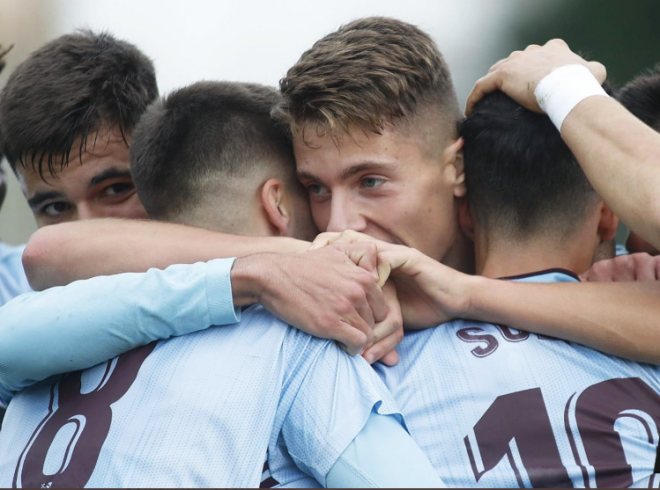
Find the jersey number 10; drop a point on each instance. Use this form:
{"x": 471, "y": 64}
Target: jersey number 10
{"x": 522, "y": 416}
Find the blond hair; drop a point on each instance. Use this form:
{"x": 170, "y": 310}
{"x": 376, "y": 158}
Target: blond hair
{"x": 368, "y": 73}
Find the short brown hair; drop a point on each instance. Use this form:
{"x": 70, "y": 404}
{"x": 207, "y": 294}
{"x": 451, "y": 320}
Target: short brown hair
{"x": 370, "y": 72}
{"x": 68, "y": 89}
{"x": 205, "y": 129}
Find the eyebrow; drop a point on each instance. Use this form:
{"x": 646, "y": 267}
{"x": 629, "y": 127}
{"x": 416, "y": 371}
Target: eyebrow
{"x": 110, "y": 173}
{"x": 35, "y": 201}
{"x": 349, "y": 172}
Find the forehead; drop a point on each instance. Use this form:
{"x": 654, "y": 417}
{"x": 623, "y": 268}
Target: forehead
{"x": 102, "y": 153}
{"x": 324, "y": 154}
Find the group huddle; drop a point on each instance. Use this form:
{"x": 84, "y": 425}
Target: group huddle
{"x": 345, "y": 282}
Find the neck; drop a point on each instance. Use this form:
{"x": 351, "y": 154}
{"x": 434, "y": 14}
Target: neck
{"x": 461, "y": 254}
{"x": 505, "y": 257}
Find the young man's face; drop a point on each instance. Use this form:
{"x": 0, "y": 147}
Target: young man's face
{"x": 393, "y": 186}
{"x": 100, "y": 186}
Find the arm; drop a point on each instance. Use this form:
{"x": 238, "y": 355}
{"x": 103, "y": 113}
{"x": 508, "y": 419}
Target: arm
{"x": 618, "y": 153}
{"x": 59, "y": 254}
{"x": 88, "y": 322}
{"x": 618, "y": 318}
{"x": 621, "y": 157}
{"x": 383, "y": 455}
{"x": 324, "y": 294}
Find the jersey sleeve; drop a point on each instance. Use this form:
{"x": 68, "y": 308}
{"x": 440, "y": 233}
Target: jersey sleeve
{"x": 327, "y": 399}
{"x": 12, "y": 275}
{"x": 383, "y": 455}
{"x": 77, "y": 326}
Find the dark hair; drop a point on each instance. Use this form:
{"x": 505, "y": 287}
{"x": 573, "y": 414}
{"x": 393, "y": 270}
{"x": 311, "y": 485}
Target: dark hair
{"x": 368, "y": 73}
{"x": 69, "y": 89}
{"x": 196, "y": 131}
{"x": 521, "y": 177}
{"x": 3, "y": 182}
{"x": 641, "y": 96}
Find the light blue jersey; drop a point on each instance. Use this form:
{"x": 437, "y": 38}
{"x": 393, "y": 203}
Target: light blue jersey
{"x": 192, "y": 411}
{"x": 496, "y": 407}
{"x": 268, "y": 385}
{"x": 12, "y": 276}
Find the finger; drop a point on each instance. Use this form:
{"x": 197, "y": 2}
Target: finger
{"x": 324, "y": 239}
{"x": 395, "y": 258}
{"x": 382, "y": 348}
{"x": 392, "y": 322}
{"x": 391, "y": 358}
{"x": 644, "y": 268}
{"x": 484, "y": 85}
{"x": 367, "y": 314}
{"x": 598, "y": 70}
{"x": 383, "y": 270}
{"x": 353, "y": 336}
{"x": 364, "y": 255}
{"x": 497, "y": 65}
{"x": 377, "y": 302}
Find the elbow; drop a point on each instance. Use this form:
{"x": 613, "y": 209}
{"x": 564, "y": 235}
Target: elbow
{"x": 40, "y": 250}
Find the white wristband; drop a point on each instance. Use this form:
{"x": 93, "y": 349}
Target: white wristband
{"x": 563, "y": 88}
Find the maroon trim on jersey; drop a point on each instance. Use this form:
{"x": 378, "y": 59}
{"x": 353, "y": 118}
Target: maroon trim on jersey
{"x": 540, "y": 273}
{"x": 267, "y": 481}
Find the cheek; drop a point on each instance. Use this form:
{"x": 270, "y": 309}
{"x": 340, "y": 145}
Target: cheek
{"x": 320, "y": 214}
{"x": 133, "y": 209}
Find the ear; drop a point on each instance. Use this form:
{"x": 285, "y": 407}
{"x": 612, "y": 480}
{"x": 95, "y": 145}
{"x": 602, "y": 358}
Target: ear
{"x": 453, "y": 164}
{"x": 466, "y": 218}
{"x": 273, "y": 197}
{"x": 608, "y": 223}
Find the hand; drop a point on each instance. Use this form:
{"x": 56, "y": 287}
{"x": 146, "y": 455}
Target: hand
{"x": 350, "y": 236}
{"x": 388, "y": 333}
{"x": 519, "y": 74}
{"x": 430, "y": 293}
{"x": 640, "y": 267}
{"x": 321, "y": 292}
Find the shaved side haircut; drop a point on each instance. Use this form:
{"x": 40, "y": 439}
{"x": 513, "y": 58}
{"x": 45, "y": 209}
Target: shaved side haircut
{"x": 204, "y": 138}
{"x": 641, "y": 96}
{"x": 369, "y": 73}
{"x": 521, "y": 178}
{"x": 67, "y": 91}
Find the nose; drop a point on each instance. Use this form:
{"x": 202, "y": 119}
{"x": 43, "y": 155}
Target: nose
{"x": 89, "y": 211}
{"x": 345, "y": 215}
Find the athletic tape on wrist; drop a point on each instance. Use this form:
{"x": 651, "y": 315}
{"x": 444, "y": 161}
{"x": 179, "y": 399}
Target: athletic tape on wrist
{"x": 563, "y": 88}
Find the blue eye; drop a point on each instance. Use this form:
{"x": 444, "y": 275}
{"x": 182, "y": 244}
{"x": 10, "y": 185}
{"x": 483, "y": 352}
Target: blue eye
{"x": 371, "y": 182}
{"x": 317, "y": 189}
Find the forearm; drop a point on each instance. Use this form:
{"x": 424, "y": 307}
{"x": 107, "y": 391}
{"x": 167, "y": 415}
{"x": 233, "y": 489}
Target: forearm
{"x": 88, "y": 322}
{"x": 59, "y": 254}
{"x": 616, "y": 318}
{"x": 621, "y": 157}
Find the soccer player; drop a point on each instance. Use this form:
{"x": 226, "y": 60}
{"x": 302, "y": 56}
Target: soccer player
{"x": 202, "y": 409}
{"x": 12, "y": 276}
{"x": 373, "y": 113}
{"x": 618, "y": 152}
{"x": 67, "y": 114}
{"x": 498, "y": 407}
